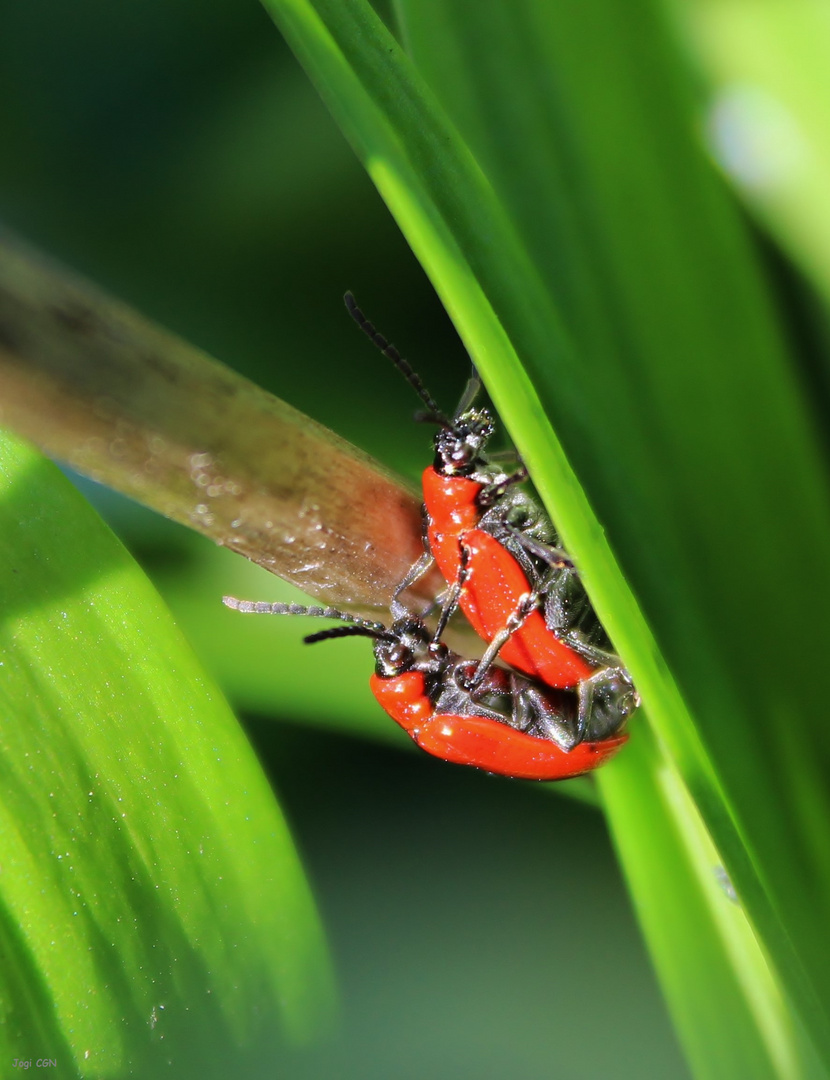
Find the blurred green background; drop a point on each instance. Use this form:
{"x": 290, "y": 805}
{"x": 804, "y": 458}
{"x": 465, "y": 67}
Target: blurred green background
{"x": 176, "y": 154}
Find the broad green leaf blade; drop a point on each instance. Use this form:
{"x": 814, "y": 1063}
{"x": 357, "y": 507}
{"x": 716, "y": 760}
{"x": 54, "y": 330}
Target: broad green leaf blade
{"x": 152, "y": 902}
{"x": 664, "y": 430}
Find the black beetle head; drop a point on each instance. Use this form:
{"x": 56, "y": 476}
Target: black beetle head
{"x": 459, "y": 448}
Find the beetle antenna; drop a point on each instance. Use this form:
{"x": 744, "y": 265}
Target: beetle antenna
{"x": 372, "y": 629}
{"x": 346, "y": 631}
{"x": 389, "y": 350}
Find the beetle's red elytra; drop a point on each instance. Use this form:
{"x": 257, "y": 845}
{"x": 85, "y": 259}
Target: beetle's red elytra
{"x": 494, "y": 584}
{"x": 481, "y": 741}
{"x": 468, "y": 712}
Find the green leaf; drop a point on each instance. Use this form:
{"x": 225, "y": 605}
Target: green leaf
{"x": 154, "y": 913}
{"x": 550, "y": 181}
{"x": 726, "y": 1002}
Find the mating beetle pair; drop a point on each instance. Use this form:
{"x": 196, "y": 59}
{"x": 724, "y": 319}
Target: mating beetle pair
{"x": 497, "y": 550}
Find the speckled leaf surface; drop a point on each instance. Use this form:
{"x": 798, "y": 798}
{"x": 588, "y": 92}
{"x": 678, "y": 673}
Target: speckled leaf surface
{"x": 154, "y": 914}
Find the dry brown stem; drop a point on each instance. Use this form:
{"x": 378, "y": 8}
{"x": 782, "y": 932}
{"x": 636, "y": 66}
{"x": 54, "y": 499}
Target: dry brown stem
{"x": 94, "y": 384}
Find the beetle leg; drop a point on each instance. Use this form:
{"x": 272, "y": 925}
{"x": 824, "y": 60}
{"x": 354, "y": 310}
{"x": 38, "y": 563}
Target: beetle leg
{"x": 522, "y": 716}
{"x": 595, "y": 656}
{"x": 553, "y": 556}
{"x": 416, "y": 571}
{"x": 413, "y": 574}
{"x": 452, "y": 597}
{"x": 527, "y": 604}
{"x": 421, "y": 565}
{"x": 493, "y": 490}
{"x": 540, "y": 715}
{"x": 586, "y": 700}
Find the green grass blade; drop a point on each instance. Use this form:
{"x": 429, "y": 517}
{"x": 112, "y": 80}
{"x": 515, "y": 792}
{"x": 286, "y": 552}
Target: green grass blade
{"x": 726, "y": 1002}
{"x": 678, "y": 355}
{"x": 564, "y": 139}
{"x": 690, "y": 435}
{"x": 154, "y": 913}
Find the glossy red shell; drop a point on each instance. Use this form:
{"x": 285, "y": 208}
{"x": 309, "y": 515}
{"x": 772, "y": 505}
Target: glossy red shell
{"x": 495, "y": 583}
{"x": 498, "y": 748}
{"x": 481, "y": 742}
{"x": 404, "y": 698}
{"x": 451, "y": 501}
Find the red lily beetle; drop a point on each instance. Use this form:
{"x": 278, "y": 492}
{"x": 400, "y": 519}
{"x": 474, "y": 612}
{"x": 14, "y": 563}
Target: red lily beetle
{"x": 495, "y": 546}
{"x": 470, "y": 712}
